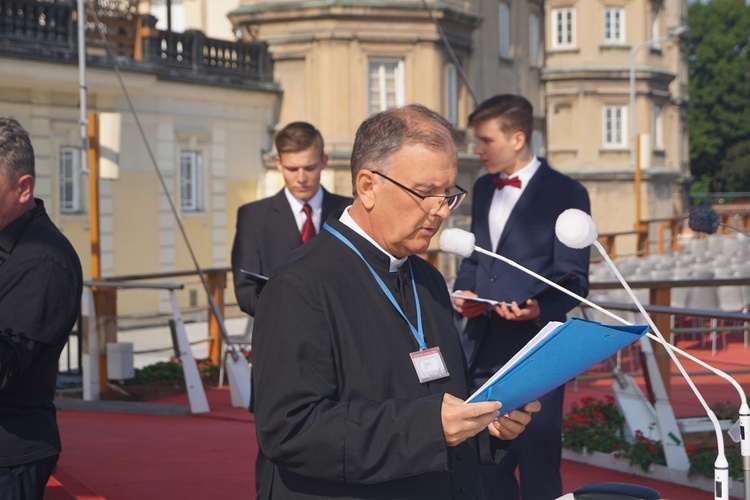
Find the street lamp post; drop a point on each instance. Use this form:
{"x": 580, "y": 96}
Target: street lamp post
{"x": 634, "y": 167}
{"x": 675, "y": 32}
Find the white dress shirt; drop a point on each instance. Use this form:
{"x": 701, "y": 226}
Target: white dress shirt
{"x": 316, "y": 203}
{"x": 505, "y": 199}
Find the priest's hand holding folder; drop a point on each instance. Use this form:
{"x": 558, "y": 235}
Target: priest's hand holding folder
{"x": 463, "y": 421}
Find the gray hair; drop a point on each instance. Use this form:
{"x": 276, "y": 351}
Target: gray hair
{"x": 16, "y": 153}
{"x": 383, "y": 134}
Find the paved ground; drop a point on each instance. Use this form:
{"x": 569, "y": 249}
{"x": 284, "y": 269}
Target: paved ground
{"x": 122, "y": 455}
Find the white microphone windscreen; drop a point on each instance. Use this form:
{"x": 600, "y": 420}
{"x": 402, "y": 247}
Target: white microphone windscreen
{"x": 575, "y": 228}
{"x": 457, "y": 241}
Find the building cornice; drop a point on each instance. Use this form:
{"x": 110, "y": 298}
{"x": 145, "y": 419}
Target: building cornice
{"x": 454, "y": 20}
{"x": 552, "y": 74}
{"x": 618, "y": 175}
{"x": 446, "y": 8}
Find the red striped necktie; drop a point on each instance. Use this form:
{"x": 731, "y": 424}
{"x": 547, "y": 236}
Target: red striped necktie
{"x": 308, "y": 228}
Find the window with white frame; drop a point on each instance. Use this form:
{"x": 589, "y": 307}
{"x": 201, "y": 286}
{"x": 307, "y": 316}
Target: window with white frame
{"x": 614, "y": 126}
{"x": 658, "y": 128}
{"x": 451, "y": 93}
{"x": 504, "y": 26}
{"x": 614, "y": 25}
{"x": 386, "y": 84}
{"x": 534, "y": 40}
{"x": 563, "y": 28}
{"x": 159, "y": 11}
{"x": 70, "y": 180}
{"x": 191, "y": 185}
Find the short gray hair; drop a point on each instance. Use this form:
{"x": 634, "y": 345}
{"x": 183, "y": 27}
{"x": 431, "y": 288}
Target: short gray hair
{"x": 383, "y": 134}
{"x": 16, "y": 153}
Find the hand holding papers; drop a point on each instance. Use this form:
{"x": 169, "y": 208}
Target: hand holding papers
{"x": 559, "y": 352}
{"x": 521, "y": 303}
{"x": 490, "y": 302}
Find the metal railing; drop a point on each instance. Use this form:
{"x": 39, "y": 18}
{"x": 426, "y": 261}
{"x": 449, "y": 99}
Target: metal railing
{"x": 43, "y": 30}
{"x": 664, "y": 235}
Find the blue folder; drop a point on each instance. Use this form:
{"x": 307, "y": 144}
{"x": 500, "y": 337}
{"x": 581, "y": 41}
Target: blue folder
{"x": 559, "y": 355}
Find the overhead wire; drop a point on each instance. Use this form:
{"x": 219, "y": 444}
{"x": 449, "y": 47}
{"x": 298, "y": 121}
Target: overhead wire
{"x": 233, "y": 350}
{"x": 451, "y": 53}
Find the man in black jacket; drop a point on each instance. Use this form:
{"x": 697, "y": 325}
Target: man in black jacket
{"x": 360, "y": 377}
{"x": 40, "y": 297}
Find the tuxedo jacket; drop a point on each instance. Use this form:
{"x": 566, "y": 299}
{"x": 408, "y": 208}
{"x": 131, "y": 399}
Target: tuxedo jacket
{"x": 528, "y": 239}
{"x": 339, "y": 409}
{"x": 266, "y": 232}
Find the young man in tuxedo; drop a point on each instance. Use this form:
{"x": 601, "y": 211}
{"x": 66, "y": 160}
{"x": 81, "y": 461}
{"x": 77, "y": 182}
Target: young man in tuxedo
{"x": 515, "y": 207}
{"x": 268, "y": 229}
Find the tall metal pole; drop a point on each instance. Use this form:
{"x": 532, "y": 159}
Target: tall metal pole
{"x": 661, "y": 356}
{"x": 82, "y": 86}
{"x": 635, "y": 165}
{"x": 675, "y": 32}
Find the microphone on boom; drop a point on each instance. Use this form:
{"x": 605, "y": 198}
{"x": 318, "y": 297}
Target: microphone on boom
{"x": 705, "y": 220}
{"x": 575, "y": 228}
{"x": 567, "y": 232}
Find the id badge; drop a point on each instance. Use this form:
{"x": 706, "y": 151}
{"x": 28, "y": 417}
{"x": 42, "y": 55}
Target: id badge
{"x": 429, "y": 364}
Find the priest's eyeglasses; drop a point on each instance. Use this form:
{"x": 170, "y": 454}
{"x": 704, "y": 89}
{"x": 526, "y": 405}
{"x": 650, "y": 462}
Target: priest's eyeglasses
{"x": 432, "y": 202}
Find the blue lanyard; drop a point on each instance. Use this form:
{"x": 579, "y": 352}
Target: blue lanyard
{"x": 418, "y": 332}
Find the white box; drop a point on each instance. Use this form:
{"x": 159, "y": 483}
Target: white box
{"x": 120, "y": 361}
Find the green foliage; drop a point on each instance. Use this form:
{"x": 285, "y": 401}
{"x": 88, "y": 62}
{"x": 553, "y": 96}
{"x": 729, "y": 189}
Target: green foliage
{"x": 735, "y": 174}
{"x": 596, "y": 424}
{"x": 725, "y": 411}
{"x": 702, "y": 185}
{"x": 702, "y": 463}
{"x": 168, "y": 371}
{"x": 719, "y": 87}
{"x": 644, "y": 451}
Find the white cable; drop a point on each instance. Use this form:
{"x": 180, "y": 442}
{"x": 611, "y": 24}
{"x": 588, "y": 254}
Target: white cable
{"x": 721, "y": 466}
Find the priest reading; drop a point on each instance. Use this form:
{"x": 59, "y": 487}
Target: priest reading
{"x": 358, "y": 372}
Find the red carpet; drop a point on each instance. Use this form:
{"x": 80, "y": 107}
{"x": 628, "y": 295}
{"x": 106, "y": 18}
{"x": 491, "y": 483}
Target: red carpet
{"x": 136, "y": 456}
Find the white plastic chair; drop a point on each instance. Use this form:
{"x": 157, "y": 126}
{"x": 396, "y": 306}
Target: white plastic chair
{"x": 732, "y": 299}
{"x": 705, "y": 297}
{"x": 697, "y": 246}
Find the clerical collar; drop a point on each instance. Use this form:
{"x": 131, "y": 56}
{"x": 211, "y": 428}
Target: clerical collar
{"x": 316, "y": 202}
{"x": 526, "y": 173}
{"x": 347, "y": 220}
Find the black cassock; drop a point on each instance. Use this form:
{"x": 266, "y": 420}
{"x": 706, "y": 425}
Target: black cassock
{"x": 339, "y": 409}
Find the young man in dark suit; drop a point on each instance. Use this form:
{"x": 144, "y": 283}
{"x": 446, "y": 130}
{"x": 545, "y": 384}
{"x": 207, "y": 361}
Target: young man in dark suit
{"x": 514, "y": 210}
{"x": 268, "y": 229}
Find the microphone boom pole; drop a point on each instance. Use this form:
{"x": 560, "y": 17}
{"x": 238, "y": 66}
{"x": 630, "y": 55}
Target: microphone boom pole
{"x": 721, "y": 466}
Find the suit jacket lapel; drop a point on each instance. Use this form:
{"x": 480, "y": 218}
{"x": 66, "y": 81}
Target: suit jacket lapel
{"x": 483, "y": 199}
{"x": 283, "y": 219}
{"x": 524, "y": 202}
